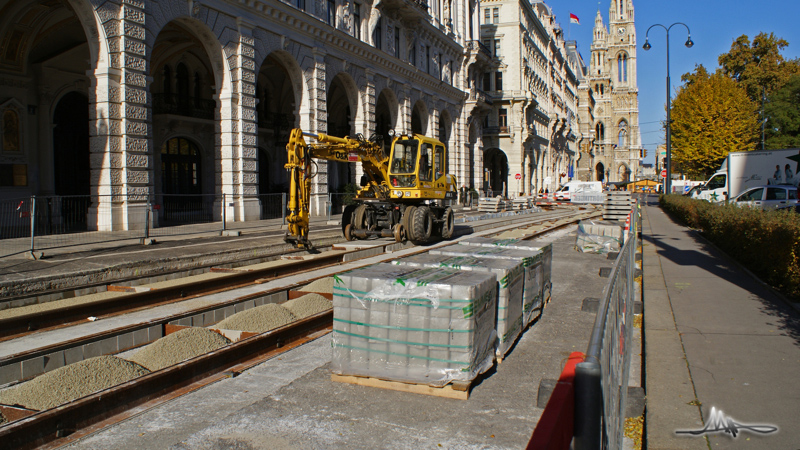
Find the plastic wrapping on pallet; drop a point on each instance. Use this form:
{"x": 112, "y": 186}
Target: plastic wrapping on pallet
{"x": 523, "y": 245}
{"x": 597, "y": 237}
{"x": 415, "y": 325}
{"x": 510, "y": 282}
{"x": 532, "y": 300}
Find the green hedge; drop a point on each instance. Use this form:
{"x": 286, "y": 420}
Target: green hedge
{"x": 766, "y": 242}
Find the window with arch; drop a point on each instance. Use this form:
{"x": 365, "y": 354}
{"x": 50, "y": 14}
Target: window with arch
{"x": 600, "y": 131}
{"x": 623, "y": 134}
{"x": 166, "y": 82}
{"x": 622, "y": 67}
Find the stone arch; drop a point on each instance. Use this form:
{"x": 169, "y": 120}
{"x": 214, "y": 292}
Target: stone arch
{"x": 495, "y": 162}
{"x": 622, "y": 134}
{"x": 206, "y": 29}
{"x": 342, "y": 107}
{"x": 386, "y": 113}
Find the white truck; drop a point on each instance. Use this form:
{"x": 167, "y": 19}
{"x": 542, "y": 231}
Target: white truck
{"x": 743, "y": 170}
{"x": 568, "y": 191}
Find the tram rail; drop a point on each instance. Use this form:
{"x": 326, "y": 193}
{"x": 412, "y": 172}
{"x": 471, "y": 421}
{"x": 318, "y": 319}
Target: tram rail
{"x": 58, "y": 426}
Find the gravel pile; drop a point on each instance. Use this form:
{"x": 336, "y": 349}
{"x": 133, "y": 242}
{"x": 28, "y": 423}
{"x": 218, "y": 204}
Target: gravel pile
{"x": 177, "y": 347}
{"x": 72, "y": 382}
{"x": 308, "y": 305}
{"x": 259, "y": 319}
{"x": 323, "y": 285}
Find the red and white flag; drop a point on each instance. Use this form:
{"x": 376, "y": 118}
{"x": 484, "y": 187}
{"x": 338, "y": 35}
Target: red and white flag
{"x": 574, "y": 19}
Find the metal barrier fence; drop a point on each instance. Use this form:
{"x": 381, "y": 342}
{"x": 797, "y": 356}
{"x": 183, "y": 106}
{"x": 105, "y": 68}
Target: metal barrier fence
{"x": 42, "y": 222}
{"x": 601, "y": 381}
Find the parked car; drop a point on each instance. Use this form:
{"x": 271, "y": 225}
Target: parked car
{"x": 767, "y": 197}
{"x": 793, "y": 208}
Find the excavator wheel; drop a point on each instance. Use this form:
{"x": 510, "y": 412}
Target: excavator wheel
{"x": 422, "y": 225}
{"x": 407, "y": 221}
{"x": 448, "y": 226}
{"x": 360, "y": 217}
{"x": 399, "y": 232}
{"x": 348, "y": 232}
{"x": 347, "y": 216}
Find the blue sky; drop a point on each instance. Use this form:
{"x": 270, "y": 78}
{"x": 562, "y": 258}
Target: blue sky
{"x": 714, "y": 25}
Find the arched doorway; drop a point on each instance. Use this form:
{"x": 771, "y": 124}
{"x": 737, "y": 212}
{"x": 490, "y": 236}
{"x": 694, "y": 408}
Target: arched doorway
{"x": 181, "y": 183}
{"x": 419, "y": 119}
{"x": 600, "y": 172}
{"x": 340, "y": 174}
{"x": 495, "y": 166}
{"x": 384, "y": 119}
{"x": 71, "y": 161}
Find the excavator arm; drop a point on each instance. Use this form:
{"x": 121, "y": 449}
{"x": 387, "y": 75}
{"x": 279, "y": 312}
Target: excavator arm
{"x": 300, "y": 156}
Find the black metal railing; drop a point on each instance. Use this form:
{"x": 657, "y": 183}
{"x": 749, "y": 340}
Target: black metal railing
{"x": 184, "y": 106}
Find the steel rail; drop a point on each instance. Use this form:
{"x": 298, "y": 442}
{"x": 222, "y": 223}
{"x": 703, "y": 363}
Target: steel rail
{"x": 51, "y": 428}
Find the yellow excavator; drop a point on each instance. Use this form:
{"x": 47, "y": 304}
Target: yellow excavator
{"x": 402, "y": 195}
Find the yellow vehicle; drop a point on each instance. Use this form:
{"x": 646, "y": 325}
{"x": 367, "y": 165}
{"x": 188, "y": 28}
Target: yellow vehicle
{"x": 403, "y": 195}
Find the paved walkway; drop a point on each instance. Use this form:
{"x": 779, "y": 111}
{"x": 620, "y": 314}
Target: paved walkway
{"x": 714, "y": 337}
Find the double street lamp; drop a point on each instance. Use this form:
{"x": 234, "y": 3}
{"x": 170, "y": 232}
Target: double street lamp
{"x": 647, "y": 46}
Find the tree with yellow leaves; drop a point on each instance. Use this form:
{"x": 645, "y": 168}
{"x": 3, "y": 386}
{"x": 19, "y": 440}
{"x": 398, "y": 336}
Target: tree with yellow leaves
{"x": 711, "y": 117}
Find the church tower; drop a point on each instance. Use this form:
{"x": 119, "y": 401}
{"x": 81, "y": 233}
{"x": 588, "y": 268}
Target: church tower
{"x": 612, "y": 80}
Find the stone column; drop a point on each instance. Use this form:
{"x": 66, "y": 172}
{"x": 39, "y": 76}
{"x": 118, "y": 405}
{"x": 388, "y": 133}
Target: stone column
{"x": 120, "y": 138}
{"x": 245, "y": 127}
{"x": 319, "y": 112}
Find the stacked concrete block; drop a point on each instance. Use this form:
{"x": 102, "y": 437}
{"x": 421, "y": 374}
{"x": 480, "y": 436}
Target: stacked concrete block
{"x": 531, "y": 286}
{"x": 510, "y": 283}
{"x": 523, "y": 245}
{"x": 417, "y": 325}
{"x": 597, "y": 237}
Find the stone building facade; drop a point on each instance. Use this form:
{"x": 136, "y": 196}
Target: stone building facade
{"x": 611, "y": 150}
{"x": 531, "y": 133}
{"x": 127, "y": 100}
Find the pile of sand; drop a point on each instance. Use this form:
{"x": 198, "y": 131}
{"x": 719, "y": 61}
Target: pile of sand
{"x": 308, "y": 305}
{"x": 72, "y": 382}
{"x": 323, "y": 285}
{"x": 259, "y": 319}
{"x": 179, "y": 346}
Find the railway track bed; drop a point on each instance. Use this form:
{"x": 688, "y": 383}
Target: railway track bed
{"x": 122, "y": 329}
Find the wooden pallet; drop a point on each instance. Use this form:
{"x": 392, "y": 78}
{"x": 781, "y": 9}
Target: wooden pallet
{"x": 458, "y": 390}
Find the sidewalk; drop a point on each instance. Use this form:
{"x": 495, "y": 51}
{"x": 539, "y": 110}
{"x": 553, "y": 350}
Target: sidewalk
{"x": 714, "y": 337}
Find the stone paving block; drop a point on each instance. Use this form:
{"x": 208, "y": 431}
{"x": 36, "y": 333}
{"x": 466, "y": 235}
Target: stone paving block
{"x": 53, "y": 361}
{"x": 10, "y": 373}
{"x": 124, "y": 342}
{"x": 32, "y": 367}
{"x": 73, "y": 355}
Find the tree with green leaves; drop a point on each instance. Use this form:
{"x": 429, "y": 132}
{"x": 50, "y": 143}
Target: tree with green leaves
{"x": 783, "y": 111}
{"x": 711, "y": 117}
{"x": 758, "y": 66}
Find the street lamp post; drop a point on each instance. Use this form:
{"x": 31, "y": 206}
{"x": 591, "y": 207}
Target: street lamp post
{"x": 647, "y": 46}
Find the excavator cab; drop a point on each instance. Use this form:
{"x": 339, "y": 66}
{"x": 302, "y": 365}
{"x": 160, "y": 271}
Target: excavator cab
{"x": 417, "y": 169}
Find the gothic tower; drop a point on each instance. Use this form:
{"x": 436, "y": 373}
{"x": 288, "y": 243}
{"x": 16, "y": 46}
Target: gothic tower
{"x": 612, "y": 81}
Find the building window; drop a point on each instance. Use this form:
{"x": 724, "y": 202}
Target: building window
{"x": 600, "y": 131}
{"x": 412, "y": 54}
{"x": 396, "y": 42}
{"x": 497, "y": 48}
{"x": 487, "y": 82}
{"x": 496, "y": 15}
{"x": 502, "y": 120}
{"x": 376, "y": 34}
{"x": 332, "y": 13}
{"x": 486, "y": 16}
{"x": 428, "y": 59}
{"x": 357, "y": 21}
{"x": 498, "y": 81}
{"x": 622, "y": 142}
{"x": 11, "y": 132}
{"x": 301, "y": 4}
{"x": 622, "y": 68}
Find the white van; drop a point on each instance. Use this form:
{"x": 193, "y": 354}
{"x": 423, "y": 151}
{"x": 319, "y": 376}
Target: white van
{"x": 575, "y": 187}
